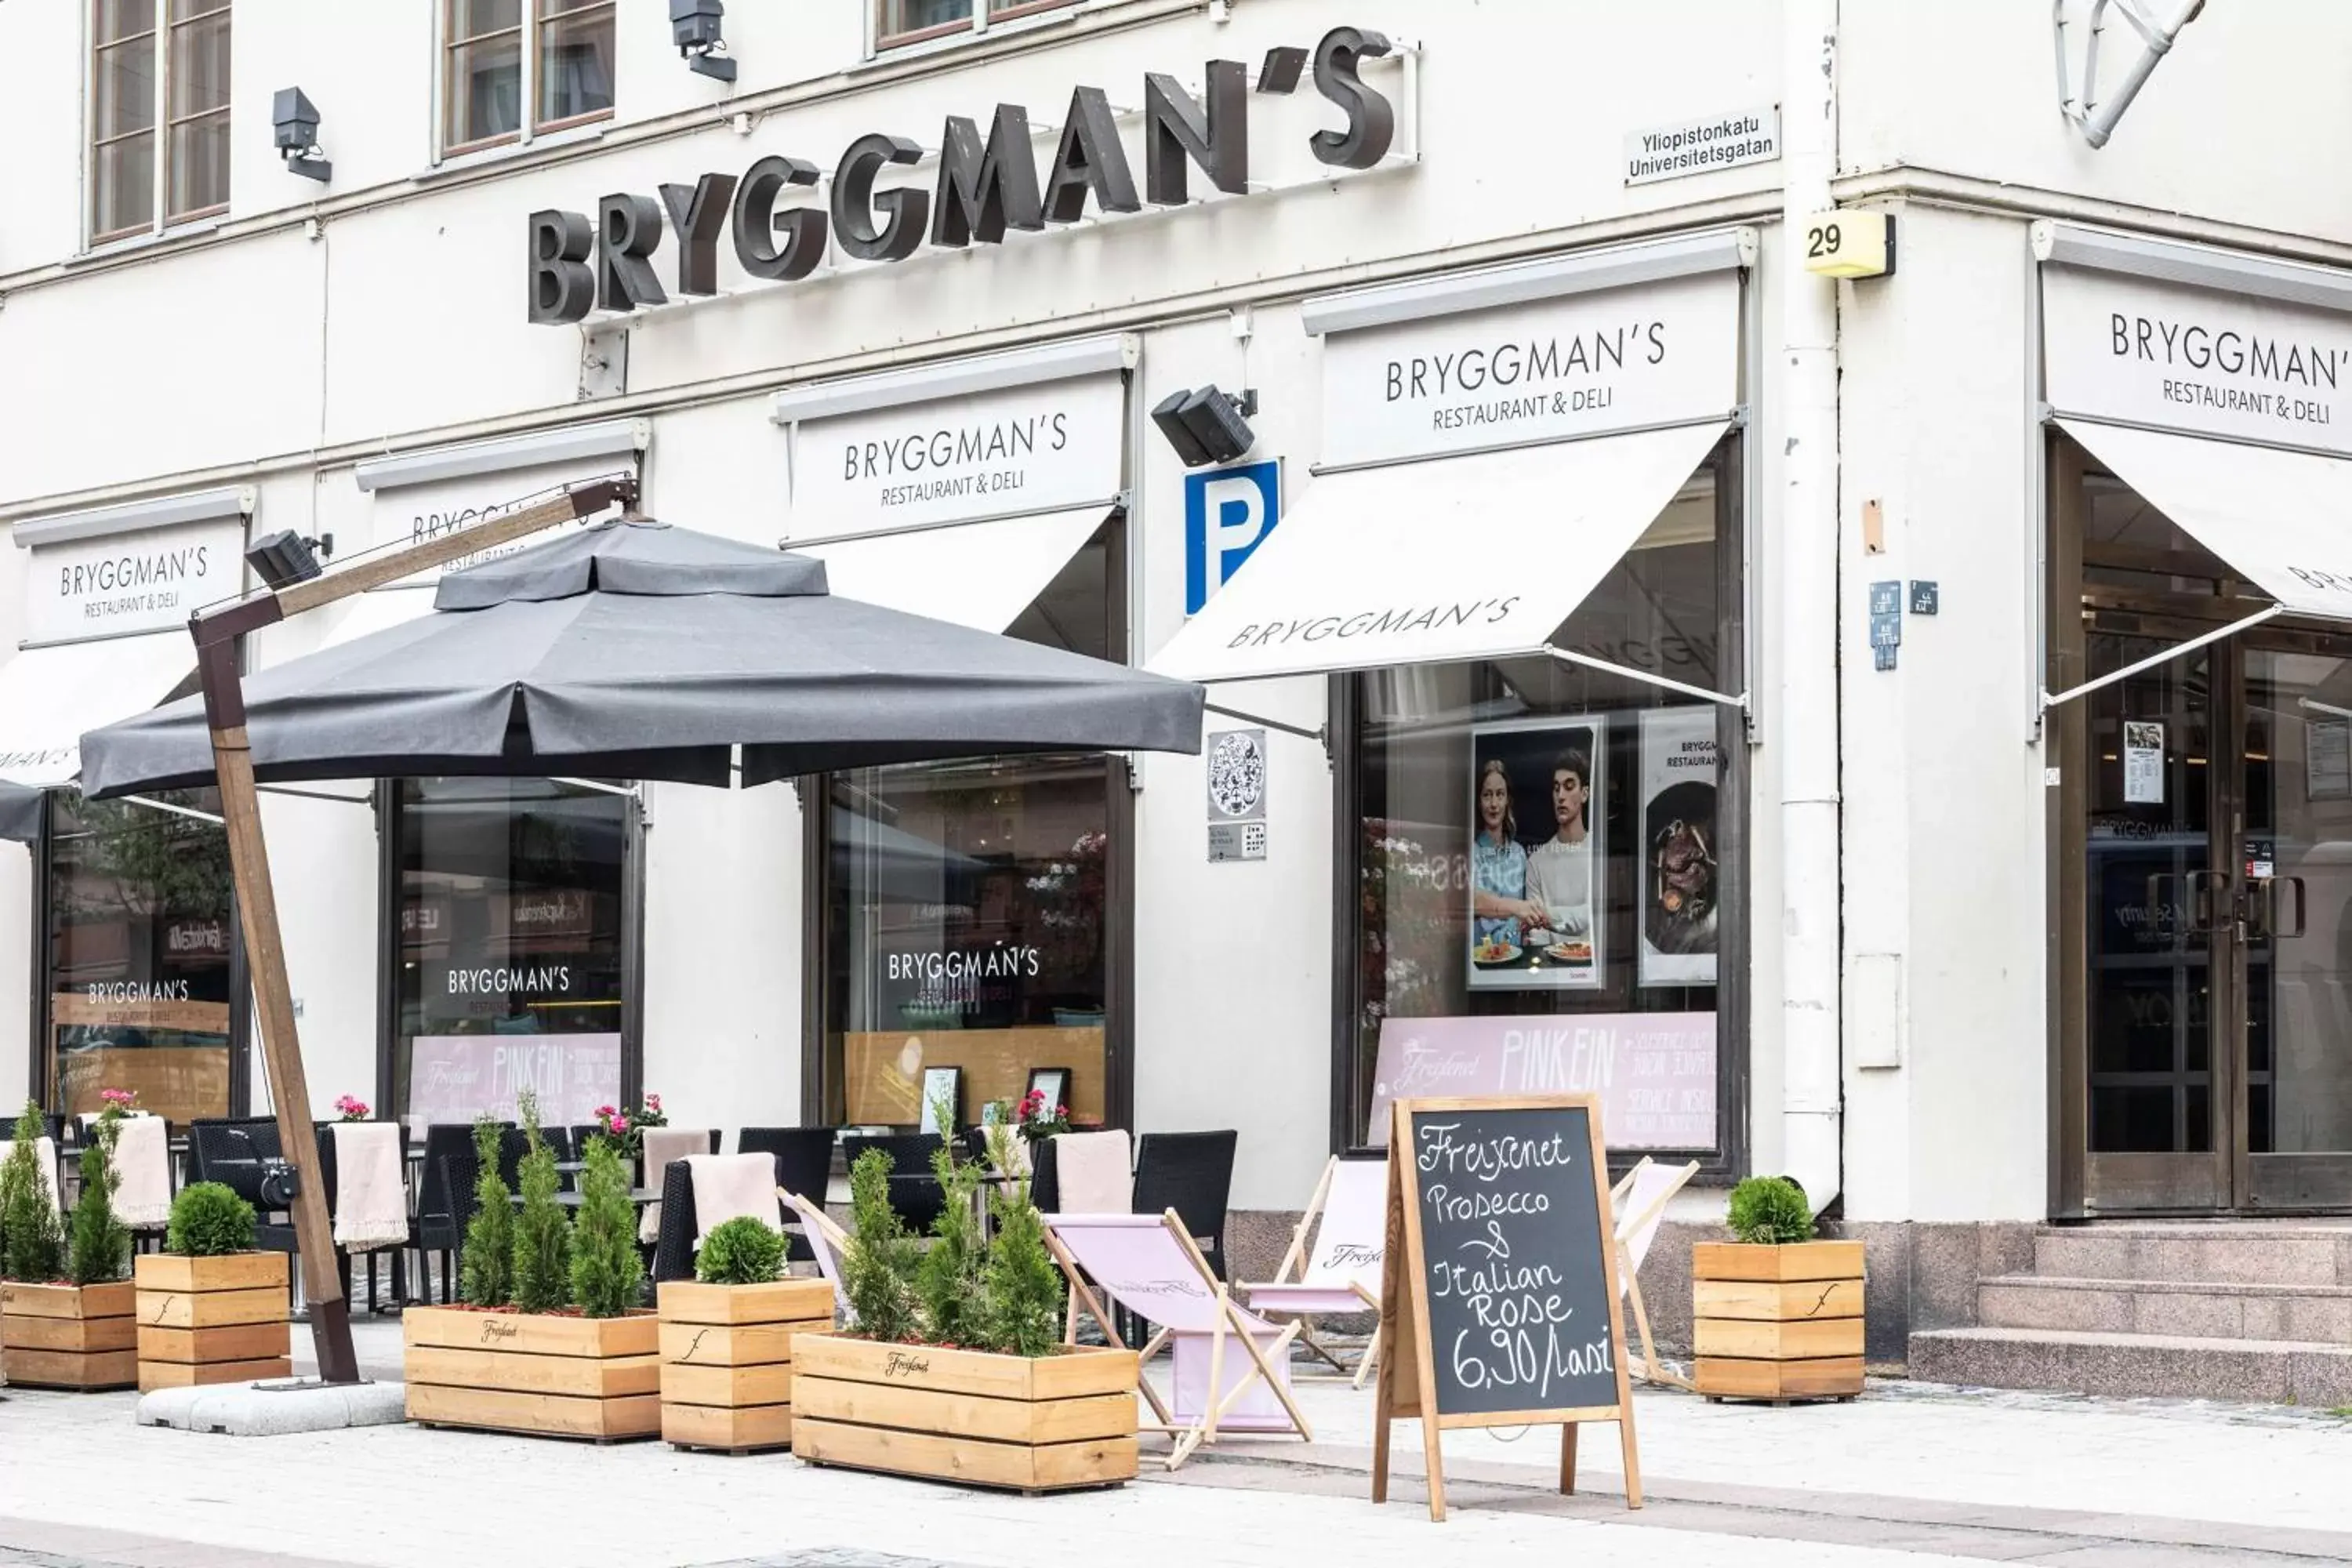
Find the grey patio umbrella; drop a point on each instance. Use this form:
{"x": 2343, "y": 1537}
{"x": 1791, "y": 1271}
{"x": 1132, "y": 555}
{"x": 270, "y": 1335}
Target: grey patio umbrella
{"x": 632, "y": 650}
{"x": 20, "y": 812}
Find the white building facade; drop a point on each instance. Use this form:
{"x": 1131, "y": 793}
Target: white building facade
{"x": 1629, "y": 649}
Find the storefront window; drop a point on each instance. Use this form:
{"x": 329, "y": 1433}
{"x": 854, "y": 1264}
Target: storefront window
{"x": 138, "y": 921}
{"x": 968, "y": 914}
{"x": 509, "y": 974}
{"x": 1541, "y": 858}
{"x": 967, "y": 932}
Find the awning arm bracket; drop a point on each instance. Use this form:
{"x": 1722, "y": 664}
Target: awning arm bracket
{"x": 1322, "y": 737}
{"x": 1566, "y": 655}
{"x": 152, "y": 804}
{"x": 2165, "y": 657}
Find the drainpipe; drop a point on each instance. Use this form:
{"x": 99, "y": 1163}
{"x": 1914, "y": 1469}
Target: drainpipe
{"x": 1812, "y": 1084}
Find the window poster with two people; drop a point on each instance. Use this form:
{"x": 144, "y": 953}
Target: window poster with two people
{"x": 1539, "y": 883}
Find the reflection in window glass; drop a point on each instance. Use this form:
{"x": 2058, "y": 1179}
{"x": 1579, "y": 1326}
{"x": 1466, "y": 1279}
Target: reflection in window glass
{"x": 1539, "y": 864}
{"x": 575, "y": 61}
{"x": 901, "y": 18}
{"x": 482, "y": 87}
{"x": 509, "y": 968}
{"x": 139, "y": 956}
{"x": 967, "y": 921}
{"x": 123, "y": 122}
{"x": 197, "y": 105}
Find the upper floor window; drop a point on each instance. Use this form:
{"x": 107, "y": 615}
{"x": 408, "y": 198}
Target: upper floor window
{"x": 159, "y": 120}
{"x": 556, "y": 56}
{"x": 897, "y": 21}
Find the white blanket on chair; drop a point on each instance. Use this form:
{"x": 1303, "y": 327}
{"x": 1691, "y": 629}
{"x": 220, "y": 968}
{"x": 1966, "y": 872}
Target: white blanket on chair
{"x": 370, "y": 1188}
{"x": 731, "y": 1186}
{"x": 1094, "y": 1173}
{"x": 142, "y": 1160}
{"x": 662, "y": 1144}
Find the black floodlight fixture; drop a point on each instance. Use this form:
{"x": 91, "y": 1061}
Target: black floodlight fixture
{"x": 697, "y": 27}
{"x": 285, "y": 558}
{"x": 295, "y": 121}
{"x": 1207, "y": 425}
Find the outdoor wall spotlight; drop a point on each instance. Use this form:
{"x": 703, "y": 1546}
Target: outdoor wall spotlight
{"x": 694, "y": 27}
{"x": 285, "y": 558}
{"x": 1208, "y": 425}
{"x": 296, "y": 122}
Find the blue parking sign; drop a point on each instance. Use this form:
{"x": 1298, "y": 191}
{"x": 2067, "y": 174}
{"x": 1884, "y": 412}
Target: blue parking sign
{"x": 1228, "y": 512}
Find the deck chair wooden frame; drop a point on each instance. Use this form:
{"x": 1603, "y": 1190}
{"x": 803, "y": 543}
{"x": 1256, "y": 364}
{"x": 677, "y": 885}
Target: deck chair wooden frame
{"x": 1232, "y": 1322}
{"x": 1292, "y": 1270}
{"x": 825, "y": 1237}
{"x": 1646, "y": 1368}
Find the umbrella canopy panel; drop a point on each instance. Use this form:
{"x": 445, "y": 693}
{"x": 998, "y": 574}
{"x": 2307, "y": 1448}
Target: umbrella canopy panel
{"x": 636, "y": 650}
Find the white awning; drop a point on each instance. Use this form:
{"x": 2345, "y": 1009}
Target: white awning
{"x": 979, "y": 575}
{"x": 1456, "y": 558}
{"x": 2278, "y": 517}
{"x": 378, "y": 609}
{"x": 50, "y": 696}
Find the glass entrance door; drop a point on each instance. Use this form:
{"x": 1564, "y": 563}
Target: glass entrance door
{"x": 2293, "y": 929}
{"x": 2217, "y": 927}
{"x": 2157, "y": 960}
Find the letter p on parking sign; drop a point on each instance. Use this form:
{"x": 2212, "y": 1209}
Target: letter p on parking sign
{"x": 1228, "y": 512}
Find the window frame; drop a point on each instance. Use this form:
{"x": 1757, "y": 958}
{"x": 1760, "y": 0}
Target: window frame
{"x": 1728, "y": 1160}
{"x": 530, "y": 21}
{"x": 391, "y": 892}
{"x": 41, "y": 1076}
{"x": 985, "y": 15}
{"x": 160, "y": 30}
{"x": 814, "y": 791}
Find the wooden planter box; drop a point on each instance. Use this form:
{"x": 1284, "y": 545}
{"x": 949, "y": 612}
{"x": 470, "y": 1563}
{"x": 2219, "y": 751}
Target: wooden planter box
{"x": 212, "y": 1320}
{"x": 1060, "y": 1421}
{"x": 541, "y": 1375}
{"x": 727, "y": 1360}
{"x": 1778, "y": 1322}
{"x": 68, "y": 1336}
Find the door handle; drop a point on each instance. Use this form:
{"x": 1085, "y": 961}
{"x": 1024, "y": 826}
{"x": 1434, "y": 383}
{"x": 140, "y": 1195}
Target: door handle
{"x": 2208, "y": 891}
{"x": 2264, "y": 905}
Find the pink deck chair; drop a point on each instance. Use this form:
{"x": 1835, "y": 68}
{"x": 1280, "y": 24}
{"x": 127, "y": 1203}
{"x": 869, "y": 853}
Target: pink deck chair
{"x": 1149, "y": 1265}
{"x": 1639, "y": 1202}
{"x": 1341, "y": 1273}
{"x": 827, "y": 1240}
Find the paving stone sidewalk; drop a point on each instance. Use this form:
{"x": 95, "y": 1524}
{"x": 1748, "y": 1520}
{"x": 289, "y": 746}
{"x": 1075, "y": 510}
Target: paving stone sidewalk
{"x": 1907, "y": 1475}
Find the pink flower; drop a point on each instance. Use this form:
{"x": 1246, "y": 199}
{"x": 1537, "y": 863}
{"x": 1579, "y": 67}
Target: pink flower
{"x": 605, "y": 1113}
{"x": 120, "y": 1098}
{"x": 620, "y": 1124}
{"x": 652, "y": 1103}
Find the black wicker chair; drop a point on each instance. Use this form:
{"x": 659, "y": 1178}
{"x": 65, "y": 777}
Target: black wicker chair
{"x": 1044, "y": 1177}
{"x": 804, "y": 1168}
{"x": 1191, "y": 1173}
{"x": 436, "y": 1227}
{"x": 674, "y": 1247}
{"x": 915, "y": 1193}
{"x": 461, "y": 1174}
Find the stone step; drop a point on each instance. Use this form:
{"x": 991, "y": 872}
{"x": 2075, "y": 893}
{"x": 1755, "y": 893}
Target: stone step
{"x": 2316, "y": 1314}
{"x": 2246, "y": 1254}
{"x": 2172, "y": 1366}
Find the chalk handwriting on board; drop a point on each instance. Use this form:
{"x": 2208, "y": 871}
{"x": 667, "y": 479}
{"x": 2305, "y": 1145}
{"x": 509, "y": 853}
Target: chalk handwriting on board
{"x": 1514, "y": 1325}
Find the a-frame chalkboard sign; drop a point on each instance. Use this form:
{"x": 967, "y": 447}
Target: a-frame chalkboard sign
{"x": 1498, "y": 1298}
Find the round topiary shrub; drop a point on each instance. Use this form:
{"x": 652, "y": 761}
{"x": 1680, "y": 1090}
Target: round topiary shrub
{"x": 1770, "y": 1211}
{"x": 742, "y": 1251}
{"x": 209, "y": 1220}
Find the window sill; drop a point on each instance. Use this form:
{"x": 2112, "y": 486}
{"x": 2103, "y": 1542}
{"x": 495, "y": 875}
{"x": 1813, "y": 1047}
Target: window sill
{"x": 130, "y": 244}
{"x": 489, "y": 157}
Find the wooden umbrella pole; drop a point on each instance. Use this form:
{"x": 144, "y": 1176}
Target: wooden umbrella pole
{"x": 217, "y": 634}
